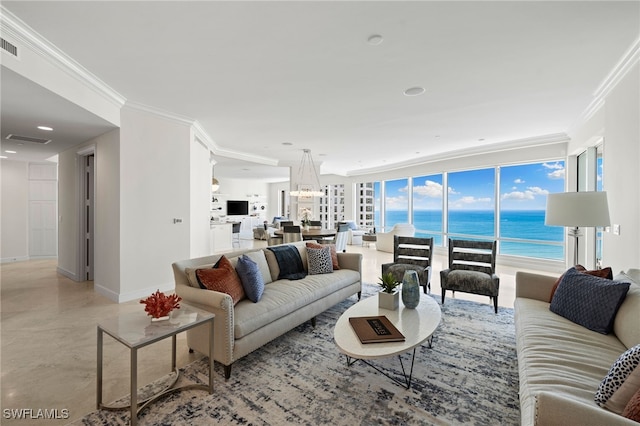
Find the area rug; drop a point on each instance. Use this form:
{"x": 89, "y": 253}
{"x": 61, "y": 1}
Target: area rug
{"x": 469, "y": 376}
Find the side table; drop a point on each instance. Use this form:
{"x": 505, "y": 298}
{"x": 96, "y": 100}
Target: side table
{"x": 135, "y": 331}
{"x": 368, "y": 238}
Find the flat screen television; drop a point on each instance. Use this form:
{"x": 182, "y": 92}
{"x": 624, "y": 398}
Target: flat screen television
{"x": 237, "y": 208}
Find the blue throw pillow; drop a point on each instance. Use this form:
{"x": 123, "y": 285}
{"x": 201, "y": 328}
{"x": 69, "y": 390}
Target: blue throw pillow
{"x": 250, "y": 277}
{"x": 589, "y": 301}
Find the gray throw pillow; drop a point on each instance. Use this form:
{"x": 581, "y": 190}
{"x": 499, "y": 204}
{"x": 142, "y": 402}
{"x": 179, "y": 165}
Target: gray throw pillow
{"x": 319, "y": 260}
{"x": 251, "y": 278}
{"x": 589, "y": 301}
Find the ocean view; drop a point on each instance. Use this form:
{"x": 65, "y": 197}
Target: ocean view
{"x": 514, "y": 224}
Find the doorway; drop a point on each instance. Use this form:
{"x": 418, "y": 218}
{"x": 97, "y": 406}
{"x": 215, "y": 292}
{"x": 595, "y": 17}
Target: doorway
{"x": 86, "y": 215}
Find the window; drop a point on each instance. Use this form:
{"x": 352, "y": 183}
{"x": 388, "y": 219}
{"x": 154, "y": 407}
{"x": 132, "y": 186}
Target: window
{"x": 396, "y": 203}
{"x": 471, "y": 204}
{"x": 427, "y": 207}
{"x": 523, "y": 198}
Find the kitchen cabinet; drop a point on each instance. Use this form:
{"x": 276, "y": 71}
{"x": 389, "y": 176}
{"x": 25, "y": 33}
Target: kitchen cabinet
{"x": 221, "y": 237}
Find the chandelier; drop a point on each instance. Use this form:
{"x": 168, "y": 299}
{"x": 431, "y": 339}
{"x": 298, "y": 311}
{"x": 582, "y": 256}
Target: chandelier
{"x": 308, "y": 181}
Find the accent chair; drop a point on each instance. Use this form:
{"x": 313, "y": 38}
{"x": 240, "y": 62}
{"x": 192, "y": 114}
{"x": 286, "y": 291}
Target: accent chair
{"x": 472, "y": 269}
{"x": 384, "y": 240}
{"x": 411, "y": 253}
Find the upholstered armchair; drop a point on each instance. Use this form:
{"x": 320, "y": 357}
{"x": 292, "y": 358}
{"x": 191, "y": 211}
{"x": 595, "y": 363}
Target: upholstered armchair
{"x": 472, "y": 267}
{"x": 411, "y": 253}
{"x": 384, "y": 240}
{"x": 355, "y": 233}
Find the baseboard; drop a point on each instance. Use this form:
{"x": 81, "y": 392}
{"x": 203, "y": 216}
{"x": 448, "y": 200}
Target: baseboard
{"x": 68, "y": 274}
{"x": 14, "y": 259}
{"x": 133, "y": 295}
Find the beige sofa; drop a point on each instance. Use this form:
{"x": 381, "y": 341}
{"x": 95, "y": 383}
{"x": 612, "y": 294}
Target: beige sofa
{"x": 561, "y": 364}
{"x": 285, "y": 304}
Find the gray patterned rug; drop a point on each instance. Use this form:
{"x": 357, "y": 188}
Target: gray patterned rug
{"x": 470, "y": 376}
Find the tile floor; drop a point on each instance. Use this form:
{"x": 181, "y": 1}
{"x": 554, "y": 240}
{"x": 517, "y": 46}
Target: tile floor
{"x": 48, "y": 337}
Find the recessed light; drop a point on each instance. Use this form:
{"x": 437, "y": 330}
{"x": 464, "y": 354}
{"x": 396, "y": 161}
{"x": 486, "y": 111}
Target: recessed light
{"x": 287, "y": 143}
{"x": 481, "y": 140}
{"x": 10, "y": 152}
{"x": 3, "y": 156}
{"x": 46, "y": 128}
{"x": 414, "y": 91}
{"x": 375, "y": 39}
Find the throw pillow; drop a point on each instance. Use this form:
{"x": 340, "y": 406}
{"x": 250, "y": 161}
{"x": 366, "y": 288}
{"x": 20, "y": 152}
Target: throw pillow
{"x": 319, "y": 260}
{"x": 589, "y": 301}
{"x": 632, "y": 410}
{"x": 251, "y": 278}
{"x": 621, "y": 383}
{"x": 602, "y": 273}
{"x": 222, "y": 277}
{"x": 334, "y": 254}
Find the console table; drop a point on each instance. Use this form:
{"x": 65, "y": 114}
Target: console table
{"x": 136, "y": 330}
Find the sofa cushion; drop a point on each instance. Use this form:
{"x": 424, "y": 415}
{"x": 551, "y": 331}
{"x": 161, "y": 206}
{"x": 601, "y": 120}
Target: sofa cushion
{"x": 283, "y": 297}
{"x": 628, "y": 317}
{"x": 589, "y": 301}
{"x": 319, "y": 260}
{"x": 632, "y": 410}
{"x": 622, "y": 381}
{"x": 222, "y": 277}
{"x": 250, "y": 277}
{"x": 602, "y": 273}
{"x": 334, "y": 254}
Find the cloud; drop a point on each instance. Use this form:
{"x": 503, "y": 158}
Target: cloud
{"x": 395, "y": 203}
{"x": 430, "y": 189}
{"x": 558, "y": 170}
{"x": 452, "y": 191}
{"x": 529, "y": 194}
{"x": 469, "y": 200}
{"x": 518, "y": 181}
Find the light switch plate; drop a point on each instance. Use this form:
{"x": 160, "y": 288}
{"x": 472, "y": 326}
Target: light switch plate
{"x": 616, "y": 229}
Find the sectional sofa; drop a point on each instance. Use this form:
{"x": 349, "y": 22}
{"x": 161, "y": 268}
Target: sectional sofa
{"x": 561, "y": 363}
{"x": 243, "y": 327}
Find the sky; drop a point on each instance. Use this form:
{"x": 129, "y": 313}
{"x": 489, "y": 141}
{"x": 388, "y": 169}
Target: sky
{"x": 522, "y": 187}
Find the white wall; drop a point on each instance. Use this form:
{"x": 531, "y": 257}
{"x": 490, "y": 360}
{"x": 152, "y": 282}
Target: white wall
{"x": 200, "y": 193}
{"x": 154, "y": 189}
{"x": 621, "y": 179}
{"x": 14, "y": 201}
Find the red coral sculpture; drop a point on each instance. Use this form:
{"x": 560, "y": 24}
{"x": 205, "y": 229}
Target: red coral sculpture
{"x": 160, "y": 305}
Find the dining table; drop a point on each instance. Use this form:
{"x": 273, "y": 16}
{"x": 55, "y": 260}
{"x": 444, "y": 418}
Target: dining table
{"x": 311, "y": 233}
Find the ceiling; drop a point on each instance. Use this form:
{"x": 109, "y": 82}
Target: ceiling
{"x": 268, "y": 79}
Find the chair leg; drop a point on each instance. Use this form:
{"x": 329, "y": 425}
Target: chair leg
{"x": 443, "y": 293}
{"x": 359, "y": 295}
{"x": 495, "y": 303}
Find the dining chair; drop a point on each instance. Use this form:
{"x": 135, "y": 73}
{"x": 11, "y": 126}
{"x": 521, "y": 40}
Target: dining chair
{"x": 291, "y": 234}
{"x": 235, "y": 232}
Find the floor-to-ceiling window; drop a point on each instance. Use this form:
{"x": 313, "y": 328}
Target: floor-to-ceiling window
{"x": 427, "y": 207}
{"x": 396, "y": 202}
{"x": 471, "y": 207}
{"x": 523, "y": 198}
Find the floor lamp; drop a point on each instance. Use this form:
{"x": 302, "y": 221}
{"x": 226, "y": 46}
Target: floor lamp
{"x": 576, "y": 209}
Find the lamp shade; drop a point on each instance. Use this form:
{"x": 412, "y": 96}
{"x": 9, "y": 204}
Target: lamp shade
{"x": 577, "y": 209}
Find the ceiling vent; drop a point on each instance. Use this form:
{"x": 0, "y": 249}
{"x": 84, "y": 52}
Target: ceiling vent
{"x": 8, "y": 47}
{"x": 28, "y": 139}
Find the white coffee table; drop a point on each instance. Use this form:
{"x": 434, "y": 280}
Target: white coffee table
{"x": 417, "y": 325}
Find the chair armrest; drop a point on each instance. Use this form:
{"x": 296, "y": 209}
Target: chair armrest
{"x": 534, "y": 286}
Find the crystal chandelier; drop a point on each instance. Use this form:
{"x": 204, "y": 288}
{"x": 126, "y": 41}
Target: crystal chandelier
{"x": 308, "y": 181}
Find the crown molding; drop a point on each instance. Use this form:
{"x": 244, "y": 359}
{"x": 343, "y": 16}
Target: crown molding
{"x": 469, "y": 152}
{"x": 619, "y": 71}
{"x": 14, "y": 28}
{"x": 167, "y": 115}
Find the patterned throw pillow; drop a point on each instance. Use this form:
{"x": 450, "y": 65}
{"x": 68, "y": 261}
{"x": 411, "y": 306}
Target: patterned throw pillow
{"x": 621, "y": 383}
{"x": 632, "y": 410}
{"x": 319, "y": 260}
{"x": 334, "y": 254}
{"x": 602, "y": 273}
{"x": 251, "y": 278}
{"x": 589, "y": 301}
{"x": 222, "y": 277}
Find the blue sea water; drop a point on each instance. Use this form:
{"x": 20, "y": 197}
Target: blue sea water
{"x": 541, "y": 241}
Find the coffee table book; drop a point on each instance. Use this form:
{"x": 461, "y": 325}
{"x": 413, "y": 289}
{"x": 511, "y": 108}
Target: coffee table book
{"x": 375, "y": 329}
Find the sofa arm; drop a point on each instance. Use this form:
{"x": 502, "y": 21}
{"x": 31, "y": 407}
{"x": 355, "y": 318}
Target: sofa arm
{"x": 351, "y": 261}
{"x": 220, "y": 304}
{"x": 534, "y": 286}
{"x": 554, "y": 409}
